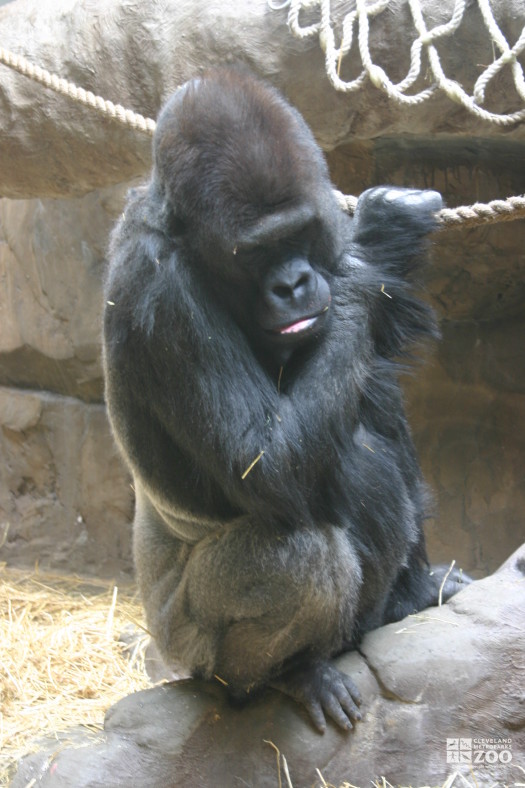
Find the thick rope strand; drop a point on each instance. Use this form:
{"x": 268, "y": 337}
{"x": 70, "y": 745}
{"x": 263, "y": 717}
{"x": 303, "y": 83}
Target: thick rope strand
{"x": 466, "y": 215}
{"x": 54, "y": 82}
{"x": 483, "y": 213}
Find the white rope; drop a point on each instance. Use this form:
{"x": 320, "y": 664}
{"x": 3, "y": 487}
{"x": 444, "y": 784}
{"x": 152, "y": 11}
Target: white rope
{"x": 358, "y": 20}
{"x": 470, "y": 215}
{"x": 465, "y": 215}
{"x": 54, "y": 82}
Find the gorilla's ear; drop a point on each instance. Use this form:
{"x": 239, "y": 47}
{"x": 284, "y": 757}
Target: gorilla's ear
{"x": 173, "y": 225}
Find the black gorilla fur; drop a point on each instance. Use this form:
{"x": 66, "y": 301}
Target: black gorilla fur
{"x": 249, "y": 319}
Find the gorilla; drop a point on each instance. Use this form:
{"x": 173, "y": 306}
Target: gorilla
{"x": 253, "y": 335}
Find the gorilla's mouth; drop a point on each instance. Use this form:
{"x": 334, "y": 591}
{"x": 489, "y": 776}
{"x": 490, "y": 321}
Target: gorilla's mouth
{"x": 302, "y": 327}
{"x": 297, "y": 328}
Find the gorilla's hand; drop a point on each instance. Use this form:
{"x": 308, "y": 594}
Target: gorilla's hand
{"x": 391, "y": 210}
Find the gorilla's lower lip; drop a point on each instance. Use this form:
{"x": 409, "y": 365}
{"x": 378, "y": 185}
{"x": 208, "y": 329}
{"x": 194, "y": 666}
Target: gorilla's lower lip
{"x": 298, "y": 327}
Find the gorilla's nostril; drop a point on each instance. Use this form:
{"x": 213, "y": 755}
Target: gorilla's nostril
{"x": 287, "y": 290}
{"x": 283, "y": 291}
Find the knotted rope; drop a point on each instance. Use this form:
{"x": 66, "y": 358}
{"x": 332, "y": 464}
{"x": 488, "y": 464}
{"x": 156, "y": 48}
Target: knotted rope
{"x": 467, "y": 215}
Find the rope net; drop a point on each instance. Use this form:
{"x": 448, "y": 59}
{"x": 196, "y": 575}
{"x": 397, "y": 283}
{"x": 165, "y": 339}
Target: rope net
{"x": 355, "y": 36}
{"x": 466, "y": 215}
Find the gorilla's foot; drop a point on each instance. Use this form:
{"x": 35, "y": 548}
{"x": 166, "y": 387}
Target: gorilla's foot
{"x": 324, "y": 691}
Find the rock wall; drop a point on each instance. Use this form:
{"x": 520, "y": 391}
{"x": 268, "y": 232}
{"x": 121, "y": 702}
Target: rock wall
{"x": 64, "y": 496}
{"x": 65, "y": 499}
{"x": 467, "y": 406}
{"x": 136, "y": 54}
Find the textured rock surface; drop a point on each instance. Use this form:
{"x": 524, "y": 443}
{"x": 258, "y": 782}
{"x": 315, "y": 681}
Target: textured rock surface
{"x": 135, "y": 54}
{"x": 449, "y": 673}
{"x": 65, "y": 498}
{"x": 52, "y": 256}
{"x": 467, "y": 409}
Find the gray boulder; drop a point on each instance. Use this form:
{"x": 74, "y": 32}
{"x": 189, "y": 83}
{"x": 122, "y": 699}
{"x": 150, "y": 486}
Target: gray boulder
{"x": 444, "y": 692}
{"x": 65, "y": 498}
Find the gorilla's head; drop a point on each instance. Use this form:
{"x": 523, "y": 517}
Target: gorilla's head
{"x": 247, "y": 195}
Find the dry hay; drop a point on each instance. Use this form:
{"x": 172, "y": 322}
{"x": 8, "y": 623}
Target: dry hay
{"x": 454, "y": 780}
{"x": 61, "y": 663}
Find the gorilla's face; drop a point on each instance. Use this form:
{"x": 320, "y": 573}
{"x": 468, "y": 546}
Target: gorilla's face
{"x": 274, "y": 286}
{"x": 291, "y": 303}
{"x": 294, "y": 302}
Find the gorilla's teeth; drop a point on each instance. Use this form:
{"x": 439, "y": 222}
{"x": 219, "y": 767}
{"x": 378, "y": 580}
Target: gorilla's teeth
{"x": 299, "y": 326}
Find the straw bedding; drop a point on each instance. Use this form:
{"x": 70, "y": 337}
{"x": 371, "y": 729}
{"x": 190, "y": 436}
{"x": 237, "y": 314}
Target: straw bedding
{"x": 61, "y": 662}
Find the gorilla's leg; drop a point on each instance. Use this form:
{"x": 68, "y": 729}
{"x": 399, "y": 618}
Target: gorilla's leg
{"x": 253, "y": 606}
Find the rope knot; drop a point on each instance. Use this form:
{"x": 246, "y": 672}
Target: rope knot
{"x": 377, "y": 75}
